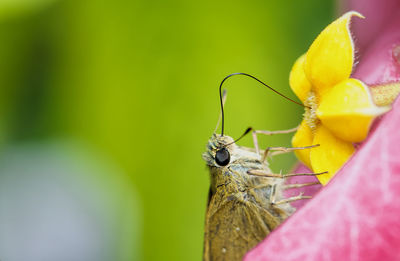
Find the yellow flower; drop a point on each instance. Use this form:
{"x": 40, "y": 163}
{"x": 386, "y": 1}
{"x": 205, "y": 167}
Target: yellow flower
{"x": 339, "y": 109}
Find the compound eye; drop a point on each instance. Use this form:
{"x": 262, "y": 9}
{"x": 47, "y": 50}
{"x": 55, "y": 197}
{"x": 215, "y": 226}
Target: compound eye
{"x": 222, "y": 157}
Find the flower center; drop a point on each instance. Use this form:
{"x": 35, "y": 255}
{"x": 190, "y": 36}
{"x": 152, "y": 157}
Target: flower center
{"x": 310, "y": 114}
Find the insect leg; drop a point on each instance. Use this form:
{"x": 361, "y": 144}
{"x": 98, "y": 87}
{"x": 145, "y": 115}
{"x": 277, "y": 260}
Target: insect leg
{"x": 290, "y": 186}
{"x": 282, "y": 150}
{"x": 286, "y": 200}
{"x": 273, "y": 194}
{"x": 291, "y": 199}
{"x": 263, "y": 173}
{"x": 266, "y": 132}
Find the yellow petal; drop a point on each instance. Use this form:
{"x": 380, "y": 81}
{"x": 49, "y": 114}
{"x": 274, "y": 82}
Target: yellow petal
{"x": 302, "y": 138}
{"x": 348, "y": 110}
{"x": 330, "y": 155}
{"x": 330, "y": 57}
{"x": 298, "y": 80}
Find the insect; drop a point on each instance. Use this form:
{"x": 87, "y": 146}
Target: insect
{"x": 245, "y": 199}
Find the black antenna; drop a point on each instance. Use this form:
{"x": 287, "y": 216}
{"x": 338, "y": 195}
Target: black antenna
{"x": 248, "y": 75}
{"x": 244, "y": 134}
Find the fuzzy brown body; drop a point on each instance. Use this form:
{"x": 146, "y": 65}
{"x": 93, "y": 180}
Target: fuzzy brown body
{"x": 239, "y": 213}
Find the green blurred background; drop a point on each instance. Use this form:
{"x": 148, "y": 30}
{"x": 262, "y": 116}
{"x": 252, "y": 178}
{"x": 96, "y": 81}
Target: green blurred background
{"x": 110, "y": 104}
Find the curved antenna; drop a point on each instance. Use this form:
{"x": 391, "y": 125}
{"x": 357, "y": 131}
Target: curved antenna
{"x": 248, "y": 75}
{"x": 220, "y": 115}
{"x": 241, "y": 136}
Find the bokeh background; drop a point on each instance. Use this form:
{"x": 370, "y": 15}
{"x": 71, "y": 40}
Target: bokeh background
{"x": 106, "y": 107}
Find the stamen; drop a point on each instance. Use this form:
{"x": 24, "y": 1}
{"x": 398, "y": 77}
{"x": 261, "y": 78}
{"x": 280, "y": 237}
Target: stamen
{"x": 310, "y": 114}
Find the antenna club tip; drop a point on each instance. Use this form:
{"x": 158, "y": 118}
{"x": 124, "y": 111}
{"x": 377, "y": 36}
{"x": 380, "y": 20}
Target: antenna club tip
{"x": 248, "y": 130}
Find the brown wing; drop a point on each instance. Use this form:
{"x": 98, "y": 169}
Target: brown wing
{"x": 233, "y": 227}
{"x": 210, "y": 194}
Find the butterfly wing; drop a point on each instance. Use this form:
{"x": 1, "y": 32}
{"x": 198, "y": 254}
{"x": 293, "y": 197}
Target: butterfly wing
{"x": 234, "y": 226}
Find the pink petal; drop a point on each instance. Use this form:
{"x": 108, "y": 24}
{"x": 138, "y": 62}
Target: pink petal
{"x": 376, "y": 37}
{"x": 356, "y": 216}
{"x": 381, "y": 61}
{"x": 377, "y": 16}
